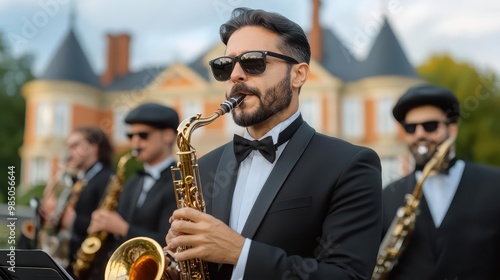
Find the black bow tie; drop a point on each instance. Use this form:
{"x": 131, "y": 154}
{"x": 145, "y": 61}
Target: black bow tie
{"x": 243, "y": 147}
{"x": 445, "y": 171}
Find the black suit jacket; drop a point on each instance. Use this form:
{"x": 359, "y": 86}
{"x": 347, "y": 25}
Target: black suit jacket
{"x": 467, "y": 243}
{"x": 318, "y": 215}
{"x": 89, "y": 200}
{"x": 151, "y": 219}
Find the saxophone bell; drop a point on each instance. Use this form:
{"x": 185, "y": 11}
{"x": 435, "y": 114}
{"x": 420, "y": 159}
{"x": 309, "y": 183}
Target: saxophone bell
{"x": 90, "y": 249}
{"x": 142, "y": 257}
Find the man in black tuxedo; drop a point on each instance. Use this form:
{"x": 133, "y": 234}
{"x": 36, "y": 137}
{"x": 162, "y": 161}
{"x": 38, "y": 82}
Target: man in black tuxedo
{"x": 310, "y": 206}
{"x": 457, "y": 233}
{"x": 90, "y": 156}
{"x": 147, "y": 199}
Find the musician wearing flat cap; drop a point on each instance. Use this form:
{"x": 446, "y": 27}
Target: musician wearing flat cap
{"x": 457, "y": 232}
{"x": 148, "y": 197}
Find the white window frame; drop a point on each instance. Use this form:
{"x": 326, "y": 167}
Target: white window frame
{"x": 39, "y": 170}
{"x": 385, "y": 121}
{"x": 311, "y": 111}
{"x": 43, "y": 119}
{"x": 61, "y": 119}
{"x": 353, "y": 117}
{"x": 119, "y": 126}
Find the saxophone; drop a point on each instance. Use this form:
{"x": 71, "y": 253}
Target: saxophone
{"x": 52, "y": 238}
{"x": 188, "y": 191}
{"x": 94, "y": 241}
{"x": 143, "y": 258}
{"x": 396, "y": 238}
{"x": 44, "y": 228}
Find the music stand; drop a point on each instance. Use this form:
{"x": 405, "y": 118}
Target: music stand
{"x": 31, "y": 264}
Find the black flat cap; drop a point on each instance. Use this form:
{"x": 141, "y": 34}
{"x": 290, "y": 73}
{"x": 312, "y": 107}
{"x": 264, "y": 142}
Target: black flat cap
{"x": 155, "y": 115}
{"x": 422, "y": 95}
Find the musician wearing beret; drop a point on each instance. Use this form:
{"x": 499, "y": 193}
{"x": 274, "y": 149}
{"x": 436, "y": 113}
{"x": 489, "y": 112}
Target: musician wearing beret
{"x": 457, "y": 231}
{"x": 147, "y": 199}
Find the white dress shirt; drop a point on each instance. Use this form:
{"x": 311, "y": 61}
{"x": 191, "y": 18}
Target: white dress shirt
{"x": 439, "y": 190}
{"x": 252, "y": 174}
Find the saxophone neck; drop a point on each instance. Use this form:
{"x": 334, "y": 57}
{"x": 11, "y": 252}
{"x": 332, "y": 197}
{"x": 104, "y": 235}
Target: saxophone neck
{"x": 441, "y": 158}
{"x": 189, "y": 125}
{"x": 436, "y": 164}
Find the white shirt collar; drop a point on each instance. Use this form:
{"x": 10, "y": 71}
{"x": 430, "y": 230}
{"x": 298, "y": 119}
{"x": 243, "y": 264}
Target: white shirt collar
{"x": 155, "y": 170}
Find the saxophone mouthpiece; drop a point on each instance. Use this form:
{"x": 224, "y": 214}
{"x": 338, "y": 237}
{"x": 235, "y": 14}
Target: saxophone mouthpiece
{"x": 135, "y": 152}
{"x": 228, "y": 105}
{"x": 422, "y": 150}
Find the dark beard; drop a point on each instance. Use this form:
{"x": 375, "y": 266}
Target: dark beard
{"x": 422, "y": 159}
{"x": 276, "y": 99}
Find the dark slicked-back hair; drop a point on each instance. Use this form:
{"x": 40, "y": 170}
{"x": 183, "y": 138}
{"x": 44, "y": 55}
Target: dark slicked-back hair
{"x": 96, "y": 136}
{"x": 293, "y": 39}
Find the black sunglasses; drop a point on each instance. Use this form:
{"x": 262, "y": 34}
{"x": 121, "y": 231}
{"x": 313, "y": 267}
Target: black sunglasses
{"x": 252, "y": 62}
{"x": 143, "y": 135}
{"x": 429, "y": 126}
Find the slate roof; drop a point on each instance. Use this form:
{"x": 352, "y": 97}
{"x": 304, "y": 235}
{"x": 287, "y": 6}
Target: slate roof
{"x": 69, "y": 63}
{"x": 337, "y": 59}
{"x": 136, "y": 80}
{"x": 386, "y": 57}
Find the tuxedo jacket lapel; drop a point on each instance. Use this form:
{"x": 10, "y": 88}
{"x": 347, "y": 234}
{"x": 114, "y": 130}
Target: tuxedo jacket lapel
{"x": 224, "y": 182}
{"x": 134, "y": 197}
{"x": 286, "y": 162}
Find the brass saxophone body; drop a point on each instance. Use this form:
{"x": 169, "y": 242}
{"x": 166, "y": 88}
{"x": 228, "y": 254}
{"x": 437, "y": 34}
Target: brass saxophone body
{"x": 51, "y": 237}
{"x": 142, "y": 257}
{"x": 60, "y": 188}
{"x": 93, "y": 243}
{"x": 188, "y": 191}
{"x": 403, "y": 224}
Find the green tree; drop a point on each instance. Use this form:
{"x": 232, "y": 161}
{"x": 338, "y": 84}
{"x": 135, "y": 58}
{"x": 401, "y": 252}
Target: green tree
{"x": 14, "y": 72}
{"x": 479, "y": 94}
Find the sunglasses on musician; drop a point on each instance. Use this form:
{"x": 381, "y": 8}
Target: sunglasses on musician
{"x": 143, "y": 135}
{"x": 429, "y": 126}
{"x": 252, "y": 63}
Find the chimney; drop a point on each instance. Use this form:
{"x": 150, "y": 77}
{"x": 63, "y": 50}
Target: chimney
{"x": 117, "y": 58}
{"x": 316, "y": 34}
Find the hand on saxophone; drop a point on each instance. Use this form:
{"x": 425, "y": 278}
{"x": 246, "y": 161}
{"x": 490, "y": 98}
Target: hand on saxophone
{"x": 109, "y": 221}
{"x": 48, "y": 206}
{"x": 208, "y": 238}
{"x": 68, "y": 218}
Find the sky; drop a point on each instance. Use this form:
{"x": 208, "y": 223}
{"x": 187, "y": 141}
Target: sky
{"x": 166, "y": 31}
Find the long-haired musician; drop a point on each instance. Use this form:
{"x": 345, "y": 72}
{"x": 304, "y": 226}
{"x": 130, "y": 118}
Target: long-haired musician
{"x": 90, "y": 156}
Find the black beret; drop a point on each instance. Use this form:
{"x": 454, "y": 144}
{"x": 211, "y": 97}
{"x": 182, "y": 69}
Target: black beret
{"x": 155, "y": 115}
{"x": 422, "y": 95}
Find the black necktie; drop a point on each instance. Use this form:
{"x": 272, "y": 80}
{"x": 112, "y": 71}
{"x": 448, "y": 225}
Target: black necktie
{"x": 243, "y": 147}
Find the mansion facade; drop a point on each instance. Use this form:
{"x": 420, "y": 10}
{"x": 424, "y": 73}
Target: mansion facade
{"x": 343, "y": 97}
